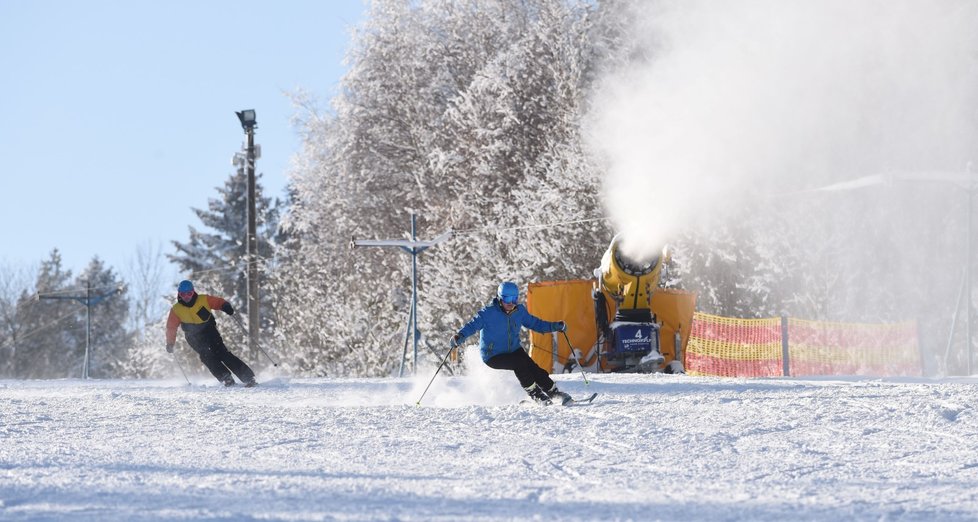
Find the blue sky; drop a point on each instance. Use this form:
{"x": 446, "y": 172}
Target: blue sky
{"x": 117, "y": 117}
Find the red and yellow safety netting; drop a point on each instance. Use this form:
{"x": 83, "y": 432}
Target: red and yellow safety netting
{"x": 734, "y": 347}
{"x": 822, "y": 348}
{"x": 725, "y": 346}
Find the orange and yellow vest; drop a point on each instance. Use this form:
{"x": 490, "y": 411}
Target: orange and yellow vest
{"x": 195, "y": 318}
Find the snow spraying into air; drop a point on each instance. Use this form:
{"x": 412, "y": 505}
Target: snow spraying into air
{"x": 725, "y": 104}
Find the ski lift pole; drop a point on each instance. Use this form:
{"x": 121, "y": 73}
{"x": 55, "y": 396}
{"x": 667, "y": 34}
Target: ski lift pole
{"x": 415, "y": 248}
{"x": 89, "y": 301}
{"x": 237, "y": 320}
{"x": 574, "y": 353}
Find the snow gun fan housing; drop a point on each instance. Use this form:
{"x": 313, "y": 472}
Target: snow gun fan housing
{"x": 631, "y": 341}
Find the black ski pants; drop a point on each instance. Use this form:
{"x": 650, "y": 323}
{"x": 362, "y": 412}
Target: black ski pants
{"x": 523, "y": 366}
{"x": 220, "y": 361}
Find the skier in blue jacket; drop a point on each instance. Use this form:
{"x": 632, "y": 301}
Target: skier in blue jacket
{"x": 499, "y": 342}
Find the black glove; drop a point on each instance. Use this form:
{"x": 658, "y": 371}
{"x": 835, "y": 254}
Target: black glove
{"x": 561, "y": 326}
{"x": 227, "y": 308}
{"x": 169, "y": 348}
{"x": 456, "y": 340}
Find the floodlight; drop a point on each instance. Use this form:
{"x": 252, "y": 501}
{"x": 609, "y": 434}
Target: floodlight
{"x": 247, "y": 118}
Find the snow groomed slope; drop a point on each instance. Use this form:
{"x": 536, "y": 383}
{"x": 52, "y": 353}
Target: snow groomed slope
{"x": 650, "y": 447}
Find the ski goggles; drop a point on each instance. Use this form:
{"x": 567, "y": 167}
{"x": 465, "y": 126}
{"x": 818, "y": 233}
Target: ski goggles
{"x": 509, "y": 299}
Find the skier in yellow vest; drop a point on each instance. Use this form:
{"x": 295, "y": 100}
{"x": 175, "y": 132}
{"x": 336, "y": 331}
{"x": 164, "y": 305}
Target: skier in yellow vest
{"x": 192, "y": 312}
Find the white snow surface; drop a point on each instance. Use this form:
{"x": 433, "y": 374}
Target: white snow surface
{"x": 650, "y": 447}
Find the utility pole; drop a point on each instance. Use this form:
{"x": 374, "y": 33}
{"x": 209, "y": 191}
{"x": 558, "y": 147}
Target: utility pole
{"x": 415, "y": 248}
{"x": 969, "y": 266}
{"x": 249, "y": 124}
{"x": 89, "y": 302}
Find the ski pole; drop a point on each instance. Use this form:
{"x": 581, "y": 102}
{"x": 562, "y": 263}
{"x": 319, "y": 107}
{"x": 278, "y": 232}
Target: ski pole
{"x": 566, "y": 361}
{"x": 445, "y": 359}
{"x": 245, "y": 331}
{"x": 574, "y": 353}
{"x": 181, "y": 368}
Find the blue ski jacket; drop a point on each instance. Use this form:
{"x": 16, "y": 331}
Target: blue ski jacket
{"x": 499, "y": 331}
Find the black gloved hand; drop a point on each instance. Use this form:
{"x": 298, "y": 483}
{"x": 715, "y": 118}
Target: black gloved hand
{"x": 456, "y": 340}
{"x": 227, "y": 308}
{"x": 169, "y": 348}
{"x": 561, "y": 326}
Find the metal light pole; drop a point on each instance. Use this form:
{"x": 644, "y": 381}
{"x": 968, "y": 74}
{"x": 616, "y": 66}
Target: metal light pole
{"x": 970, "y": 191}
{"x": 413, "y": 247}
{"x": 88, "y": 329}
{"x": 249, "y": 124}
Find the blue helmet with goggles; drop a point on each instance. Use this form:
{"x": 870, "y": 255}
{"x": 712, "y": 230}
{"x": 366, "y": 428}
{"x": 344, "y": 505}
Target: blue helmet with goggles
{"x": 508, "y": 292}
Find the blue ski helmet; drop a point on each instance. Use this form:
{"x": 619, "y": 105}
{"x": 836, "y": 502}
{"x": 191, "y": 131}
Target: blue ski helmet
{"x": 185, "y": 286}
{"x": 508, "y": 292}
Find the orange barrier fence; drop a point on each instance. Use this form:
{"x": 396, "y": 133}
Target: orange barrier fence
{"x": 771, "y": 347}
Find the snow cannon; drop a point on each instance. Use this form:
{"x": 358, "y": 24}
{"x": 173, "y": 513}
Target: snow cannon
{"x": 630, "y": 341}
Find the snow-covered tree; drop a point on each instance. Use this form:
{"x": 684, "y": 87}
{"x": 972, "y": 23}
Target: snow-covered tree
{"x": 514, "y": 162}
{"x": 465, "y": 113}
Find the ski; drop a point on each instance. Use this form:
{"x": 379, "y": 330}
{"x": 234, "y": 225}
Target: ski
{"x": 579, "y": 402}
{"x": 586, "y": 400}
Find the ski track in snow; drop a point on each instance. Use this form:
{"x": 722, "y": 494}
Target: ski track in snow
{"x": 650, "y": 447}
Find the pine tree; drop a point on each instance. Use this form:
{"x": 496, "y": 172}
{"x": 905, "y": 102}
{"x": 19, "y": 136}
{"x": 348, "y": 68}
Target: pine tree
{"x": 49, "y": 346}
{"x": 13, "y": 281}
